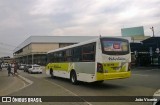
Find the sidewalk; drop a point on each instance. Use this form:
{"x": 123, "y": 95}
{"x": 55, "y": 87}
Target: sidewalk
{"x": 9, "y": 84}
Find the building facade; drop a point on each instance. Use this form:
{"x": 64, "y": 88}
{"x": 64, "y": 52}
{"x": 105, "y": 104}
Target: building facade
{"x": 147, "y": 52}
{"x": 6, "y": 59}
{"x": 34, "y": 49}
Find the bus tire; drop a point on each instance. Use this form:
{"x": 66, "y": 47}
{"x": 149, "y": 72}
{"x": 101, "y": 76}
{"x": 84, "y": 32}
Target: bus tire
{"x": 73, "y": 77}
{"x": 51, "y": 73}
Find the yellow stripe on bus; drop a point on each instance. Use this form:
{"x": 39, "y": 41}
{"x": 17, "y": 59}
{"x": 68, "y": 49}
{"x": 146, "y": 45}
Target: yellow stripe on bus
{"x": 107, "y": 76}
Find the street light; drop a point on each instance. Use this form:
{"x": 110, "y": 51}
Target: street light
{"x": 152, "y": 28}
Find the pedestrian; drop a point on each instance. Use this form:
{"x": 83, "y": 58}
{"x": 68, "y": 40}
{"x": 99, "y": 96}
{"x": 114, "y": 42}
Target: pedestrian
{"x": 15, "y": 68}
{"x": 9, "y": 70}
{"x": 0, "y": 67}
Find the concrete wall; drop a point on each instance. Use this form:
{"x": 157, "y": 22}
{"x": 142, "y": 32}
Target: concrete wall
{"x": 43, "y": 47}
{"x": 138, "y": 39}
{"x": 37, "y": 48}
{"x": 27, "y": 49}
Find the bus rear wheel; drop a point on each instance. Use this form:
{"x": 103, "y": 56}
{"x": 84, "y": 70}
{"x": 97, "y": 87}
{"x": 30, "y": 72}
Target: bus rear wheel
{"x": 73, "y": 77}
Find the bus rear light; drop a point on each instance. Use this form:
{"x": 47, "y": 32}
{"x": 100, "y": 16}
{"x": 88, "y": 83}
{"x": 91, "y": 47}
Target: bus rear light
{"x": 99, "y": 68}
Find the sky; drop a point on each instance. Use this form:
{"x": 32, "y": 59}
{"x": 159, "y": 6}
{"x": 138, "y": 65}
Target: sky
{"x": 20, "y": 19}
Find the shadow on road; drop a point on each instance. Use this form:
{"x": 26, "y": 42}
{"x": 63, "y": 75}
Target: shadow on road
{"x": 101, "y": 86}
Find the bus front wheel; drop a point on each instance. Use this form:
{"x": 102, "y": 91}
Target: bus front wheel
{"x": 73, "y": 77}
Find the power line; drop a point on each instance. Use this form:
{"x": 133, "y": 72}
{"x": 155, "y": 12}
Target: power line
{"x": 6, "y": 49}
{"x": 5, "y": 53}
{"x": 152, "y": 28}
{"x": 157, "y": 32}
{"x": 1, "y": 43}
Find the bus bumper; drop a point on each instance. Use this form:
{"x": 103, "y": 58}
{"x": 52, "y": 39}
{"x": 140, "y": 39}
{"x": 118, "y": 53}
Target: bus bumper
{"x": 109, "y": 76}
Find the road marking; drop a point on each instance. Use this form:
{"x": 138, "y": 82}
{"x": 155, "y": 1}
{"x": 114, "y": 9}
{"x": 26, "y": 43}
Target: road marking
{"x": 24, "y": 84}
{"x": 155, "y": 69}
{"x": 25, "y": 79}
{"x": 150, "y": 70}
{"x": 140, "y": 74}
{"x": 67, "y": 90}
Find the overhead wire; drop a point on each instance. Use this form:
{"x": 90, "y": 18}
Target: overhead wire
{"x": 6, "y": 49}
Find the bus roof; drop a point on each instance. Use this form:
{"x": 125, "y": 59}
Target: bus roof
{"x": 81, "y": 43}
{"x": 74, "y": 45}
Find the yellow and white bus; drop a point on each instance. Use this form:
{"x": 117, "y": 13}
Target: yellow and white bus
{"x": 99, "y": 59}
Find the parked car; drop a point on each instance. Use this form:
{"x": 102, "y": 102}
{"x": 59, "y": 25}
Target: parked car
{"x": 26, "y": 67}
{"x": 4, "y": 65}
{"x": 157, "y": 96}
{"x": 35, "y": 69}
{"x": 21, "y": 67}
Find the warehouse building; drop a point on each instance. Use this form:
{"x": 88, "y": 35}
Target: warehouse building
{"x": 34, "y": 49}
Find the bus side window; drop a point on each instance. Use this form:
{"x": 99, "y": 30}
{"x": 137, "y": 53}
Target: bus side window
{"x": 69, "y": 55}
{"x": 61, "y": 56}
{"x": 88, "y": 52}
{"x": 55, "y": 57}
{"x": 51, "y": 58}
{"x": 77, "y": 53}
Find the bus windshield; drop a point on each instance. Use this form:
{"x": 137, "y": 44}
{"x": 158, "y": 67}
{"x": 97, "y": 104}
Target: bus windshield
{"x": 114, "y": 46}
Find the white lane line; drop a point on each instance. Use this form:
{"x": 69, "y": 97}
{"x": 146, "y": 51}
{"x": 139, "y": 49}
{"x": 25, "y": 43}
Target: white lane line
{"x": 24, "y": 84}
{"x": 150, "y": 70}
{"x": 140, "y": 74}
{"x": 25, "y": 79}
{"x": 67, "y": 90}
{"x": 156, "y": 69}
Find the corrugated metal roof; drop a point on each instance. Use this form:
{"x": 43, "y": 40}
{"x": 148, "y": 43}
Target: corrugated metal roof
{"x": 53, "y": 39}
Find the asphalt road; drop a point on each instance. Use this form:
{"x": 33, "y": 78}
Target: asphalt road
{"x": 143, "y": 82}
{"x": 9, "y": 84}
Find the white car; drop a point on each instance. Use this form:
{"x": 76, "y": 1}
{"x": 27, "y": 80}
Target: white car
{"x": 157, "y": 96}
{"x": 21, "y": 67}
{"x": 4, "y": 65}
{"x": 35, "y": 69}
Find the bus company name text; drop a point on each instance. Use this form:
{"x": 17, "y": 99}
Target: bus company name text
{"x": 116, "y": 58}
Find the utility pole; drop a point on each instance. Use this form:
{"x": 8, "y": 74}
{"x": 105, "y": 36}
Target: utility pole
{"x": 152, "y": 28}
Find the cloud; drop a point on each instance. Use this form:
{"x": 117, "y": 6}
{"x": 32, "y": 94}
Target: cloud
{"x": 20, "y": 19}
